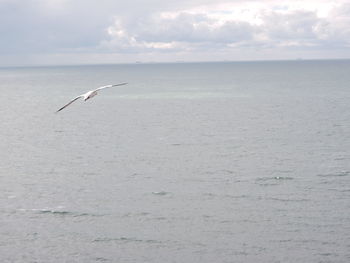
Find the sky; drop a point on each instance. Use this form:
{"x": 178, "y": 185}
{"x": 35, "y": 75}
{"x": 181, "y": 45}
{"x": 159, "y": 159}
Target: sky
{"x": 64, "y": 32}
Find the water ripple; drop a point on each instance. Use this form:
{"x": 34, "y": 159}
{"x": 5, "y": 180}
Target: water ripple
{"x": 126, "y": 240}
{"x": 271, "y": 181}
{"x": 161, "y": 193}
{"x": 280, "y": 178}
{"x": 287, "y": 199}
{"x": 59, "y": 212}
{"x": 336, "y": 174}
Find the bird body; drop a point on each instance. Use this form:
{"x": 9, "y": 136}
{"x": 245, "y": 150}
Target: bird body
{"x": 90, "y": 94}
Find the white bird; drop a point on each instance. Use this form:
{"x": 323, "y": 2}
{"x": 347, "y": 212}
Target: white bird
{"x": 89, "y": 94}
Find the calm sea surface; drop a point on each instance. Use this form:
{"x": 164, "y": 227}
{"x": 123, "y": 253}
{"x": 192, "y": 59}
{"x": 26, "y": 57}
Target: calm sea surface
{"x": 207, "y": 162}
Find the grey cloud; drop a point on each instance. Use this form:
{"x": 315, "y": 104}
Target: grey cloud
{"x": 184, "y": 30}
{"x": 191, "y": 28}
{"x": 137, "y": 26}
{"x": 297, "y": 25}
{"x": 307, "y": 29}
{"x": 337, "y": 31}
{"x": 69, "y": 25}
{"x": 32, "y": 28}
{"x": 278, "y": 29}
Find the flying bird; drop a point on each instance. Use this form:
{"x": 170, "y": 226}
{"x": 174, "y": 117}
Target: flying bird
{"x": 89, "y": 94}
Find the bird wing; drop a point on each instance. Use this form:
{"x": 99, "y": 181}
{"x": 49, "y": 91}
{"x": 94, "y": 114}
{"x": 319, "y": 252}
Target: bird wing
{"x": 69, "y": 103}
{"x": 110, "y": 86}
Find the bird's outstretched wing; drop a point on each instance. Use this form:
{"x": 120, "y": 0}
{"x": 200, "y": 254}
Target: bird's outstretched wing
{"x": 110, "y": 86}
{"x": 69, "y": 103}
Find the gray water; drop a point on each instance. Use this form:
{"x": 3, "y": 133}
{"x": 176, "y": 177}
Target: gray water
{"x": 211, "y": 162}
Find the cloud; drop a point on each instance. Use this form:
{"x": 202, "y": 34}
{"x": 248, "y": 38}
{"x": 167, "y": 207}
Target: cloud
{"x": 47, "y": 26}
{"x": 307, "y": 29}
{"x": 189, "y": 30}
{"x": 182, "y": 32}
{"x": 180, "y": 28}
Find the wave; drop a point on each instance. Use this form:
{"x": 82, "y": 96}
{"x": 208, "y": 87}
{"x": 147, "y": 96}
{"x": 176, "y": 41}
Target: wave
{"x": 126, "y": 240}
{"x": 59, "y": 212}
{"x": 336, "y": 174}
{"x": 288, "y": 199}
{"x": 161, "y": 193}
{"x": 275, "y": 178}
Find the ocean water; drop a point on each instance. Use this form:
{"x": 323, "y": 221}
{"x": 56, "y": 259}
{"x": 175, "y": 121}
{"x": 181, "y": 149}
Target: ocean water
{"x": 198, "y": 162}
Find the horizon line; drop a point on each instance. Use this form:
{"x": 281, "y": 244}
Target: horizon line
{"x": 171, "y": 62}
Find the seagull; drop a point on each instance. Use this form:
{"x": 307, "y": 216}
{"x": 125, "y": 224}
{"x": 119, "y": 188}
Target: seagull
{"x": 90, "y": 94}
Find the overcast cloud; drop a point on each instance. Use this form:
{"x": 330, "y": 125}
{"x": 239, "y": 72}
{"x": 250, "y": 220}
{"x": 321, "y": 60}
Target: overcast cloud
{"x": 112, "y": 31}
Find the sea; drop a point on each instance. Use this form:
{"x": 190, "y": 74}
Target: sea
{"x": 219, "y": 162}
